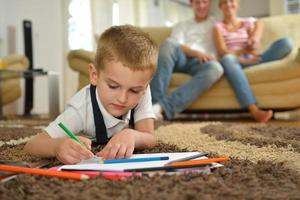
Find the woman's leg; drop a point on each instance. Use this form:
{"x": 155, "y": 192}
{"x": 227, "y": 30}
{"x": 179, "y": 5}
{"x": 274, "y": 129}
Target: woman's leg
{"x": 278, "y": 50}
{"x": 258, "y": 114}
{"x": 239, "y": 82}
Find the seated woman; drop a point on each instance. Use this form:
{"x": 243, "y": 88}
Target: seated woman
{"x": 236, "y": 41}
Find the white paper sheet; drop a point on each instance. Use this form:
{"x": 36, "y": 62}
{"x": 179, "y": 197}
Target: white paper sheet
{"x": 132, "y": 165}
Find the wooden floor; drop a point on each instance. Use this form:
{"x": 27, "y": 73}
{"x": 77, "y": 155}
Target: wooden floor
{"x": 230, "y": 117}
{"x": 291, "y": 123}
{"x": 243, "y": 119}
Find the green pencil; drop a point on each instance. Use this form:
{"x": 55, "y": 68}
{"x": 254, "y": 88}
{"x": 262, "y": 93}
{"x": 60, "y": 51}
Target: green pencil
{"x": 69, "y": 133}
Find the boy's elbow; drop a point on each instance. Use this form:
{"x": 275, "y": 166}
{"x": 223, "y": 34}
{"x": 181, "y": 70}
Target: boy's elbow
{"x": 151, "y": 142}
{"x": 28, "y": 147}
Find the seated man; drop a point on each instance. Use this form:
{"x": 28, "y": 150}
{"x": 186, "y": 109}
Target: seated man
{"x": 190, "y": 49}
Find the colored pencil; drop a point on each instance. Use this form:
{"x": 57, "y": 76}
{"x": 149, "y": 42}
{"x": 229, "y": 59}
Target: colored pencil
{"x": 69, "y": 133}
{"x": 43, "y": 172}
{"x": 189, "y": 158}
{"x": 119, "y": 175}
{"x": 167, "y": 168}
{"x": 128, "y": 160}
{"x": 198, "y": 162}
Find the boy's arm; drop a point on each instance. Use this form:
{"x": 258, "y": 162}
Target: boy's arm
{"x": 42, "y": 145}
{"x": 65, "y": 149}
{"x": 144, "y": 133}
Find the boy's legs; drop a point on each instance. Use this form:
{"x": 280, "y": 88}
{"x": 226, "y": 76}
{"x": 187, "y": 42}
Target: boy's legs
{"x": 278, "y": 50}
{"x": 204, "y": 75}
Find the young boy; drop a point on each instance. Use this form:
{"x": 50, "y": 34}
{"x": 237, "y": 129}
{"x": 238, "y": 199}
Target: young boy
{"x": 119, "y": 95}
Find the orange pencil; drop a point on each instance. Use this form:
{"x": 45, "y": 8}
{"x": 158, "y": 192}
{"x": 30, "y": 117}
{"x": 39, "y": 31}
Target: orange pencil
{"x": 44, "y": 172}
{"x": 198, "y": 162}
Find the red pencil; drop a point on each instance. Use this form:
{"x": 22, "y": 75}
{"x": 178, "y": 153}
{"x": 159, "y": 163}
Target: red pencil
{"x": 107, "y": 175}
{"x": 44, "y": 172}
{"x": 198, "y": 162}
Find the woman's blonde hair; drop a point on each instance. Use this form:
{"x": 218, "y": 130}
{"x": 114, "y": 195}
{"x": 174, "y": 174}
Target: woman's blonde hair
{"x": 128, "y": 44}
{"x": 221, "y": 1}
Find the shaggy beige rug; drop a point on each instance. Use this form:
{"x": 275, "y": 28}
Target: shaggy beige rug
{"x": 253, "y": 142}
{"x": 264, "y": 165}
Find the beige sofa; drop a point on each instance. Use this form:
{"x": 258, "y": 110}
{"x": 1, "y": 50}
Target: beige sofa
{"x": 276, "y": 84}
{"x": 10, "y": 84}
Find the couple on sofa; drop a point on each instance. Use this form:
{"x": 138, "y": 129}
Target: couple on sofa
{"x": 205, "y": 49}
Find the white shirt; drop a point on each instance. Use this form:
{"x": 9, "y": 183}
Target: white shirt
{"x": 78, "y": 116}
{"x": 196, "y": 35}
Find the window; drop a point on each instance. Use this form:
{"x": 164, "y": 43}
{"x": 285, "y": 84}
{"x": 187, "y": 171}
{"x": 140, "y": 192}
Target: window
{"x": 80, "y": 25}
{"x": 293, "y": 6}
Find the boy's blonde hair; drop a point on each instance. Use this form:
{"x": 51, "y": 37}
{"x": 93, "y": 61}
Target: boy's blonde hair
{"x": 128, "y": 44}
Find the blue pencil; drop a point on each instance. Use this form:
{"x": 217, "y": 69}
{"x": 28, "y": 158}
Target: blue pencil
{"x": 115, "y": 161}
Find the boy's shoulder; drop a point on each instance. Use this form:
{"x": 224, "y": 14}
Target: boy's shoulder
{"x": 81, "y": 98}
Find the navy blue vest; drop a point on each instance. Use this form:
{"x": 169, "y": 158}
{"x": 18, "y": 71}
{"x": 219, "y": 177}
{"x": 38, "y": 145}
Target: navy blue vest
{"x": 101, "y": 132}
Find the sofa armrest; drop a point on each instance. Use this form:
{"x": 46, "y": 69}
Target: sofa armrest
{"x": 158, "y": 34}
{"x": 279, "y": 70}
{"x": 16, "y": 62}
{"x": 298, "y": 56}
{"x": 80, "y": 59}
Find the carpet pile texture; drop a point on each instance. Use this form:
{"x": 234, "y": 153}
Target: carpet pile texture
{"x": 265, "y": 164}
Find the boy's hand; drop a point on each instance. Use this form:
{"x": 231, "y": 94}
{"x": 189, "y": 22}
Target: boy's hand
{"x": 69, "y": 151}
{"x": 120, "y": 146}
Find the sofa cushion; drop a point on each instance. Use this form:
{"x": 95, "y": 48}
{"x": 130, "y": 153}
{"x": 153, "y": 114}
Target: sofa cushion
{"x": 276, "y": 27}
{"x": 274, "y": 84}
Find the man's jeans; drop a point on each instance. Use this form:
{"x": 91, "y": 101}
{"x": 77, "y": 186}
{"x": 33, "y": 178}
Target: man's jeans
{"x": 172, "y": 59}
{"x": 236, "y": 76}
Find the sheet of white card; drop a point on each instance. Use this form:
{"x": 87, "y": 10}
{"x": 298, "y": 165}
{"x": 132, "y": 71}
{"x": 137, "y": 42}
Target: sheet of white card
{"x": 132, "y": 165}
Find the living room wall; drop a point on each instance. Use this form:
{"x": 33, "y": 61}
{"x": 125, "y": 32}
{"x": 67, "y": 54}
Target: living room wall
{"x": 48, "y": 42}
{"x": 50, "y": 30}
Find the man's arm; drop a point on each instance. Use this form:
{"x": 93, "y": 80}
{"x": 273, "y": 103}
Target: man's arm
{"x": 196, "y": 54}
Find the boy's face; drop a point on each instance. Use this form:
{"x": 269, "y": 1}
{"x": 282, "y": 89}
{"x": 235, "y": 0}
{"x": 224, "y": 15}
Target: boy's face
{"x": 119, "y": 88}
